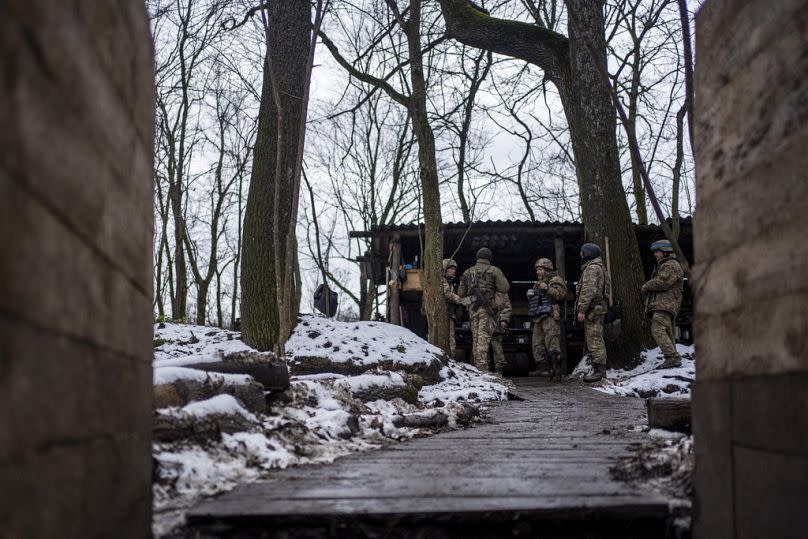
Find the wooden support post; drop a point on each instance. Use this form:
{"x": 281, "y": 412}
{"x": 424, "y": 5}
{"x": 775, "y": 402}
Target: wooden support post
{"x": 394, "y": 291}
{"x": 561, "y": 270}
{"x": 363, "y": 287}
{"x": 559, "y": 257}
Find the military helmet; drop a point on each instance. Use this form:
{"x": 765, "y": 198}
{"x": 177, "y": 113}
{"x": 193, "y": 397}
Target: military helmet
{"x": 544, "y": 263}
{"x": 662, "y": 245}
{"x": 589, "y": 251}
{"x": 485, "y": 253}
{"x": 448, "y": 263}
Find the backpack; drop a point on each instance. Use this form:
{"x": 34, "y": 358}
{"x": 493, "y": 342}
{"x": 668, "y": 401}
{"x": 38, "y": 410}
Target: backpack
{"x": 322, "y": 294}
{"x": 480, "y": 300}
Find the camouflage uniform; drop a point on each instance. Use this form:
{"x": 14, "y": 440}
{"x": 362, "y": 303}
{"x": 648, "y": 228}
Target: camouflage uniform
{"x": 665, "y": 289}
{"x": 502, "y": 304}
{"x": 547, "y": 327}
{"x": 490, "y": 280}
{"x": 593, "y": 306}
{"x": 452, "y": 303}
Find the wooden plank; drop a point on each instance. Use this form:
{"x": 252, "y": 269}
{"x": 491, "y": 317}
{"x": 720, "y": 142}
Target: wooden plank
{"x": 669, "y": 413}
{"x": 543, "y": 458}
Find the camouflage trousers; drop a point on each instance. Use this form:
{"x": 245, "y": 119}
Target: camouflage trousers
{"x": 452, "y": 340}
{"x": 593, "y": 332}
{"x": 497, "y": 351}
{"x": 482, "y": 329}
{"x": 663, "y": 332}
{"x": 546, "y": 336}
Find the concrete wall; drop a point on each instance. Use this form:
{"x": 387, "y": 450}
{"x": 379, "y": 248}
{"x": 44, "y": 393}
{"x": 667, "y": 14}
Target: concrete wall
{"x": 76, "y": 130}
{"x": 751, "y": 278}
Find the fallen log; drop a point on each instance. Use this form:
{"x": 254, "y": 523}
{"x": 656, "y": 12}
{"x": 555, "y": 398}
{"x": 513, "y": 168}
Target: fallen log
{"x": 669, "y": 413}
{"x": 183, "y": 391}
{"x": 273, "y": 377}
{"x": 172, "y": 428}
{"x": 421, "y": 421}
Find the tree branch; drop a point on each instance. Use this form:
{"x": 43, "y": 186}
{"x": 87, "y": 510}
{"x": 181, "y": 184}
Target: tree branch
{"x": 542, "y": 47}
{"x": 361, "y": 75}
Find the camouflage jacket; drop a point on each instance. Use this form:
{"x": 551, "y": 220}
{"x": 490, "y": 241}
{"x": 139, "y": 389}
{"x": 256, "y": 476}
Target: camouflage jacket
{"x": 556, "y": 291}
{"x": 453, "y": 301}
{"x": 556, "y": 287}
{"x": 502, "y": 305}
{"x": 591, "y": 287}
{"x": 490, "y": 279}
{"x": 665, "y": 286}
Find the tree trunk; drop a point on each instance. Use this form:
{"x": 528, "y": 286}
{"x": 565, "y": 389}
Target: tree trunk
{"x": 433, "y": 302}
{"x": 202, "y": 302}
{"x": 270, "y": 214}
{"x": 592, "y": 122}
{"x": 179, "y": 304}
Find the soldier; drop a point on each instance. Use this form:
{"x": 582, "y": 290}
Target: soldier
{"x": 480, "y": 282}
{"x": 664, "y": 299}
{"x": 453, "y": 301}
{"x": 503, "y": 308}
{"x": 545, "y": 312}
{"x": 591, "y": 308}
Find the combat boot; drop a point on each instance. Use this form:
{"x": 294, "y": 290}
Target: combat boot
{"x": 670, "y": 363}
{"x": 598, "y": 373}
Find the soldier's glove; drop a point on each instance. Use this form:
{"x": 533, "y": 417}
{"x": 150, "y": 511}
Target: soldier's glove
{"x": 467, "y": 301}
{"x": 531, "y": 293}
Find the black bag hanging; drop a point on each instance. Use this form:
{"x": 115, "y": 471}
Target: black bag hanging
{"x": 325, "y": 300}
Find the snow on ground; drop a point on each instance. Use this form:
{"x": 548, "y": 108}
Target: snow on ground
{"x": 193, "y": 344}
{"x": 664, "y": 464}
{"x": 362, "y": 343}
{"x": 166, "y": 375}
{"x": 218, "y": 405}
{"x": 317, "y": 420}
{"x": 463, "y": 382}
{"x": 646, "y": 380}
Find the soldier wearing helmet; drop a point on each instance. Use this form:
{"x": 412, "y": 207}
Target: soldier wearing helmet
{"x": 545, "y": 312}
{"x": 664, "y": 297}
{"x": 453, "y": 301}
{"x": 480, "y": 283}
{"x": 590, "y": 308}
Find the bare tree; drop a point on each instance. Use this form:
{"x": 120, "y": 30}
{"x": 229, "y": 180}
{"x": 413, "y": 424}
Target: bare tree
{"x": 190, "y": 28}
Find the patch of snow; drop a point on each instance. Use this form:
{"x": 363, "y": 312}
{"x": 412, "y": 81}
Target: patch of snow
{"x": 365, "y": 381}
{"x": 363, "y": 343}
{"x": 665, "y": 434}
{"x": 319, "y": 376}
{"x": 167, "y": 375}
{"x": 195, "y": 344}
{"x": 645, "y": 380}
{"x": 218, "y": 405}
{"x": 463, "y": 382}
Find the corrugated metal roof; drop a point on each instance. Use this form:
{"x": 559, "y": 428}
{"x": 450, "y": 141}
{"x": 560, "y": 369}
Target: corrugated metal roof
{"x": 500, "y": 224}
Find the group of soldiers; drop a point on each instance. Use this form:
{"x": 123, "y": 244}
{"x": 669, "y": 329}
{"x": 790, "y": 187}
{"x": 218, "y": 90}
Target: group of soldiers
{"x": 483, "y": 290}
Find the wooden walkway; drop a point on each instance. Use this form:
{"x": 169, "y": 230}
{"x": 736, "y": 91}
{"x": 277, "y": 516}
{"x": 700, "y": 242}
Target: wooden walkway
{"x": 539, "y": 467}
